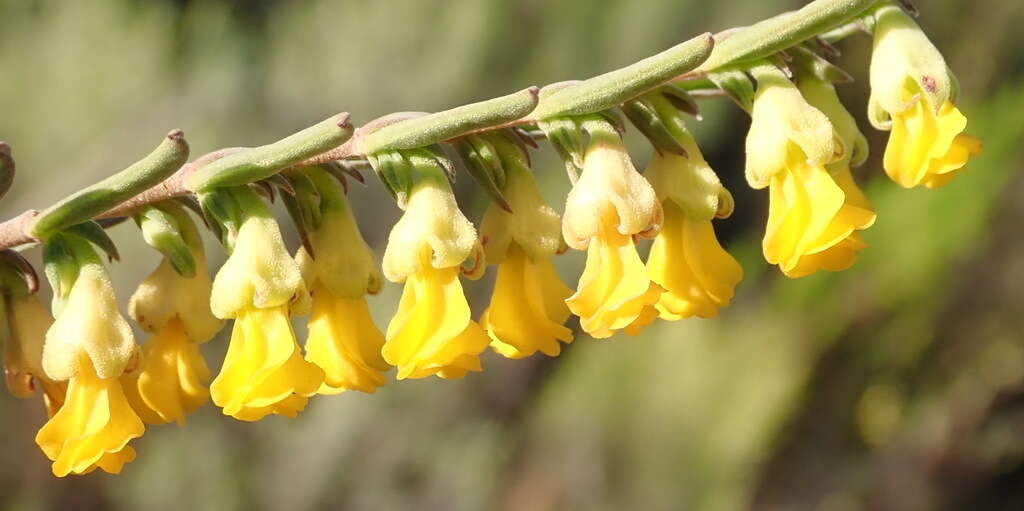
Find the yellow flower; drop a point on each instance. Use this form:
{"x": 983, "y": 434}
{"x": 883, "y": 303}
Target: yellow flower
{"x": 609, "y": 205}
{"x": 264, "y": 371}
{"x": 812, "y": 216}
{"x": 173, "y": 378}
{"x": 528, "y": 308}
{"x": 912, "y": 93}
{"x": 27, "y": 321}
{"x": 698, "y": 275}
{"x": 90, "y": 344}
{"x": 175, "y": 309}
{"x": 93, "y": 427}
{"x": 812, "y": 219}
{"x": 432, "y": 332}
{"x": 343, "y": 340}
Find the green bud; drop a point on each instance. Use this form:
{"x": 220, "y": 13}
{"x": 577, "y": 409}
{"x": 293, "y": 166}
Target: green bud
{"x": 162, "y": 231}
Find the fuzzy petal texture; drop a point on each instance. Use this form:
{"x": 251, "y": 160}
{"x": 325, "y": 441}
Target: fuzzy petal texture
{"x": 614, "y": 291}
{"x": 609, "y": 181}
{"x": 173, "y": 378}
{"x": 532, "y": 224}
{"x": 432, "y": 332}
{"x": 527, "y": 311}
{"x": 344, "y": 342}
{"x": 812, "y": 219}
{"x": 432, "y": 232}
{"x": 260, "y": 273}
{"x": 93, "y": 427}
{"x": 89, "y": 324}
{"x": 166, "y": 296}
{"x": 698, "y": 275}
{"x": 264, "y": 371}
{"x": 926, "y": 148}
{"x": 781, "y": 117}
{"x": 902, "y": 54}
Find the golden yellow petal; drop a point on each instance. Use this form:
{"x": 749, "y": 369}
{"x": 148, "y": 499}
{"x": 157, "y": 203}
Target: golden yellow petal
{"x": 614, "y": 289}
{"x": 173, "y": 378}
{"x": 527, "y": 308}
{"x": 344, "y": 342}
{"x": 92, "y": 428}
{"x": 432, "y": 329}
{"x": 263, "y": 367}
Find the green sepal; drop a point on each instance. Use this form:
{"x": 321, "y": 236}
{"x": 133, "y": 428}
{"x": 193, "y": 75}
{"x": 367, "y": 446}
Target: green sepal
{"x": 485, "y": 166}
{"x": 223, "y": 214}
{"x": 569, "y": 140}
{"x": 92, "y": 201}
{"x": 94, "y": 233}
{"x": 808, "y": 61}
{"x": 258, "y": 163}
{"x": 393, "y": 169}
{"x": 162, "y": 231}
{"x": 643, "y": 114}
{"x": 303, "y": 207}
{"x": 737, "y": 85}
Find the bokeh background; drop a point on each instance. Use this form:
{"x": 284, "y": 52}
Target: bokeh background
{"x": 898, "y": 384}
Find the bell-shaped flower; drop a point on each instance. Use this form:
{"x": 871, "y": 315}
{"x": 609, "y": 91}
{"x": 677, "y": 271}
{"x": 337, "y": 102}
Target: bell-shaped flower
{"x": 609, "y": 205}
{"x": 528, "y": 310}
{"x": 27, "y": 323}
{"x": 175, "y": 309}
{"x": 93, "y": 427}
{"x": 913, "y": 94}
{"x": 343, "y": 340}
{"x": 264, "y": 371}
{"x": 813, "y": 217}
{"x": 432, "y": 332}
{"x": 90, "y": 345}
{"x": 698, "y": 275}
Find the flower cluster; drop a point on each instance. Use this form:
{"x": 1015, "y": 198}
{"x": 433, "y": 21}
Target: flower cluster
{"x": 101, "y": 389}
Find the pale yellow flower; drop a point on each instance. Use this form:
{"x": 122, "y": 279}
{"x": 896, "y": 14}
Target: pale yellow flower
{"x": 609, "y": 205}
{"x": 527, "y": 310}
{"x": 912, "y": 93}
{"x": 432, "y": 332}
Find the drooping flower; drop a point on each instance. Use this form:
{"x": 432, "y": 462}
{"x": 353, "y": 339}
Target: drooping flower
{"x": 90, "y": 345}
{"x": 913, "y": 94}
{"x": 527, "y": 310}
{"x": 27, "y": 323}
{"x": 175, "y": 309}
{"x": 610, "y": 204}
{"x": 264, "y": 371}
{"x": 698, "y": 275}
{"x": 343, "y": 340}
{"x": 812, "y": 218}
{"x": 432, "y": 332}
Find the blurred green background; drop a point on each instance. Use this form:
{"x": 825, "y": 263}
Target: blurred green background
{"x": 898, "y": 384}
